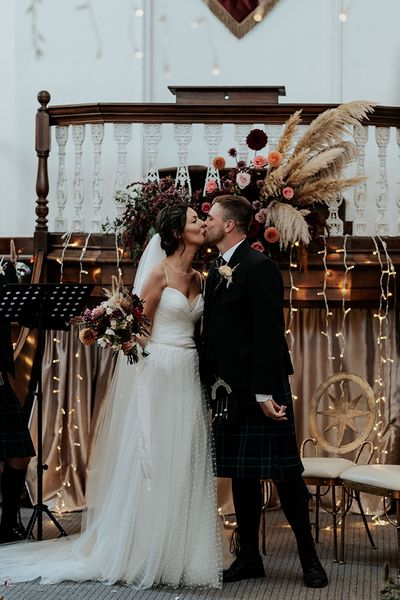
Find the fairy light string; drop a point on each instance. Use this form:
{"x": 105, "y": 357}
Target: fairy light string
{"x": 328, "y": 313}
{"x": 345, "y": 310}
{"x": 292, "y": 309}
{"x": 384, "y": 359}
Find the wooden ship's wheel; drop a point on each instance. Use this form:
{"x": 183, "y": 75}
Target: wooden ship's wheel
{"x": 342, "y": 407}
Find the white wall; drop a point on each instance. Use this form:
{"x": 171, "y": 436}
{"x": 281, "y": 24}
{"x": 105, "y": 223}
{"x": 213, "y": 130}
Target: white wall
{"x": 300, "y": 44}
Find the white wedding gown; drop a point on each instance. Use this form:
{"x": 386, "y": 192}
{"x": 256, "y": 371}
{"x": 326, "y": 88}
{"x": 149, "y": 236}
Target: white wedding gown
{"x": 151, "y": 515}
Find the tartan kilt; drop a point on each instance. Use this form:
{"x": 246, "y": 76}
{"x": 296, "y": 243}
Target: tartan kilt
{"x": 259, "y": 447}
{"x": 15, "y": 439}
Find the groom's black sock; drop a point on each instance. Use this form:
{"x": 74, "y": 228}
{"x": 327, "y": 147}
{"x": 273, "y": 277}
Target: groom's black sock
{"x": 294, "y": 498}
{"x": 12, "y": 485}
{"x": 247, "y": 499}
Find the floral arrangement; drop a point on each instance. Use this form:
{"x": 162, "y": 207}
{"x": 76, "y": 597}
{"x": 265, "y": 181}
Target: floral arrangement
{"x": 284, "y": 185}
{"x": 116, "y": 323}
{"x": 141, "y": 203}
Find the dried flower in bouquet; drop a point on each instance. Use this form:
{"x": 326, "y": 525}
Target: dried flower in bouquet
{"x": 284, "y": 185}
{"x": 116, "y": 322}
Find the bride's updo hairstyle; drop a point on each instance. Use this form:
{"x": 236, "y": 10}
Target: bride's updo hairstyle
{"x": 170, "y": 224}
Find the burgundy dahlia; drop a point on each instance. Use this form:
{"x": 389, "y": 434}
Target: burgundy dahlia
{"x": 257, "y": 139}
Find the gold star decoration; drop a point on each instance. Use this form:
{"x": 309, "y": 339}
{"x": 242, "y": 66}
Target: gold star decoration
{"x": 344, "y": 413}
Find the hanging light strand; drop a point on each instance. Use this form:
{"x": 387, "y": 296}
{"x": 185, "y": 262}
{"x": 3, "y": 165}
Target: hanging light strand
{"x": 328, "y": 312}
{"x": 384, "y": 360}
{"x": 345, "y": 311}
{"x": 81, "y": 269}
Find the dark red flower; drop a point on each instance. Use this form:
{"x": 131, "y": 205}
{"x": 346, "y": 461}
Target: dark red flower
{"x": 232, "y": 152}
{"x": 257, "y": 139}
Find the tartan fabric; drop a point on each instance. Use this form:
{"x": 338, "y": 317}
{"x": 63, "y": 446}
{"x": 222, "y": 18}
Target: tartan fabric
{"x": 260, "y": 448}
{"x": 15, "y": 439}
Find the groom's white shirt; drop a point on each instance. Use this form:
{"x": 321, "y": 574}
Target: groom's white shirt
{"x": 227, "y": 256}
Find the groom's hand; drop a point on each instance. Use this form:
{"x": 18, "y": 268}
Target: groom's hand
{"x": 274, "y": 411}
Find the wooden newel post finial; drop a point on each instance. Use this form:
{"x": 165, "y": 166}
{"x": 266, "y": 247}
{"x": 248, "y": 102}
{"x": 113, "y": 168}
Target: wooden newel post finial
{"x": 42, "y": 146}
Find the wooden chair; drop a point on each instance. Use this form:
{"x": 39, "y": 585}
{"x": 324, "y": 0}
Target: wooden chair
{"x": 342, "y": 417}
{"x": 380, "y": 480}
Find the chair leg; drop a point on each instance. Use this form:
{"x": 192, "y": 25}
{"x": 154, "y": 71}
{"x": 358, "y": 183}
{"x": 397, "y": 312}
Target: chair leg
{"x": 398, "y": 534}
{"x": 263, "y": 530}
{"x": 342, "y": 527}
{"x": 334, "y": 521}
{"x": 317, "y": 503}
{"x": 358, "y": 500}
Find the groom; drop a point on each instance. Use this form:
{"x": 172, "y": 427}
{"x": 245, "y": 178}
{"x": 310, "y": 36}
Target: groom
{"x": 244, "y": 345}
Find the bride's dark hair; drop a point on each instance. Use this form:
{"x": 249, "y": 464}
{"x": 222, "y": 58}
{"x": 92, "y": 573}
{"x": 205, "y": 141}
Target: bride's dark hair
{"x": 171, "y": 221}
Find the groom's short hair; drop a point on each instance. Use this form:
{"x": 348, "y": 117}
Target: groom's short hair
{"x": 236, "y": 208}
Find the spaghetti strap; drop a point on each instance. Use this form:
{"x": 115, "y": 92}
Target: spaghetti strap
{"x": 165, "y": 271}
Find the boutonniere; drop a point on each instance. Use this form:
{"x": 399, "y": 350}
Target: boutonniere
{"x": 226, "y": 273}
{"x": 2, "y": 271}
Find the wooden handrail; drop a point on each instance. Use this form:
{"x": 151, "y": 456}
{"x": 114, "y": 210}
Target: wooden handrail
{"x": 79, "y": 114}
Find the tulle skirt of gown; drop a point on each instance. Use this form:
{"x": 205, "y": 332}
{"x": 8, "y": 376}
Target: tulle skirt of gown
{"x": 167, "y": 534}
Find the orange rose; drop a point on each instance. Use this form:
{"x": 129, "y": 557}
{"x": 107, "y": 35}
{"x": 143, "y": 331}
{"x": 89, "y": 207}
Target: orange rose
{"x": 219, "y": 162}
{"x": 87, "y": 336}
{"x": 274, "y": 158}
{"x": 272, "y": 235}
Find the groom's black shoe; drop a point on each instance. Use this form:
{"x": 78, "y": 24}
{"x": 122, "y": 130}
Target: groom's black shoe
{"x": 244, "y": 567}
{"x": 314, "y": 574}
{"x": 14, "y": 533}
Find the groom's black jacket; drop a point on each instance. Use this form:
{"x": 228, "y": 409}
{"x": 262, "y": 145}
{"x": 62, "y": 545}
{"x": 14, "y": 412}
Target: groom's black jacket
{"x": 243, "y": 326}
{"x": 6, "y": 349}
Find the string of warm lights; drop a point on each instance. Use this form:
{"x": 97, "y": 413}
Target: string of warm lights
{"x": 67, "y": 238}
{"x": 138, "y": 13}
{"x": 60, "y": 503}
{"x": 328, "y": 312}
{"x": 81, "y": 269}
{"x": 384, "y": 360}
{"x": 119, "y": 254}
{"x": 345, "y": 311}
{"x": 292, "y": 310}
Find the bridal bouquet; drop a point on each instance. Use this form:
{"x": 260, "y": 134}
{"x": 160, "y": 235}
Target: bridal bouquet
{"x": 116, "y": 323}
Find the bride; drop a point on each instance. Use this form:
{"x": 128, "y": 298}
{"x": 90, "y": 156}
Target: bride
{"x": 151, "y": 516}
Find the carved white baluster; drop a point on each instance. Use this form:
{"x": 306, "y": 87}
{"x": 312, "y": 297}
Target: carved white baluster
{"x": 241, "y": 133}
{"x": 78, "y": 136}
{"x": 398, "y": 186}
{"x": 60, "y": 223}
{"x": 382, "y": 135}
{"x": 183, "y": 137}
{"x": 360, "y": 193}
{"x": 122, "y": 135}
{"x": 273, "y": 132}
{"x": 152, "y": 137}
{"x": 97, "y": 186}
{"x": 213, "y": 136}
{"x": 333, "y": 222}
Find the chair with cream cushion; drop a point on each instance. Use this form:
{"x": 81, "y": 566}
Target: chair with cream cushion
{"x": 380, "y": 480}
{"x": 341, "y": 418}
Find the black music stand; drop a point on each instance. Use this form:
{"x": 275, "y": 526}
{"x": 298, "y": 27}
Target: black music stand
{"x": 42, "y": 306}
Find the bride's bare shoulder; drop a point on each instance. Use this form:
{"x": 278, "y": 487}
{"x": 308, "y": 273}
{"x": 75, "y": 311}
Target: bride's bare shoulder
{"x": 157, "y": 277}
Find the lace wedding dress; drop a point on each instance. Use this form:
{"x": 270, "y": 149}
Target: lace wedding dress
{"x": 151, "y": 516}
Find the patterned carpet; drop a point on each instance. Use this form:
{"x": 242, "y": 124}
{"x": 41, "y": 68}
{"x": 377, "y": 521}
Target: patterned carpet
{"x": 359, "y": 579}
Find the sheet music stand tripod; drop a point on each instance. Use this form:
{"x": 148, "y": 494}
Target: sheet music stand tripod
{"x": 42, "y": 306}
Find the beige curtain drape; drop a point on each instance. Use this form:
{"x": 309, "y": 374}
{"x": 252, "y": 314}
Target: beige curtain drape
{"x": 75, "y": 389}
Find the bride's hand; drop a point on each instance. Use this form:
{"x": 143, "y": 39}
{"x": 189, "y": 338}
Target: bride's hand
{"x": 274, "y": 411}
